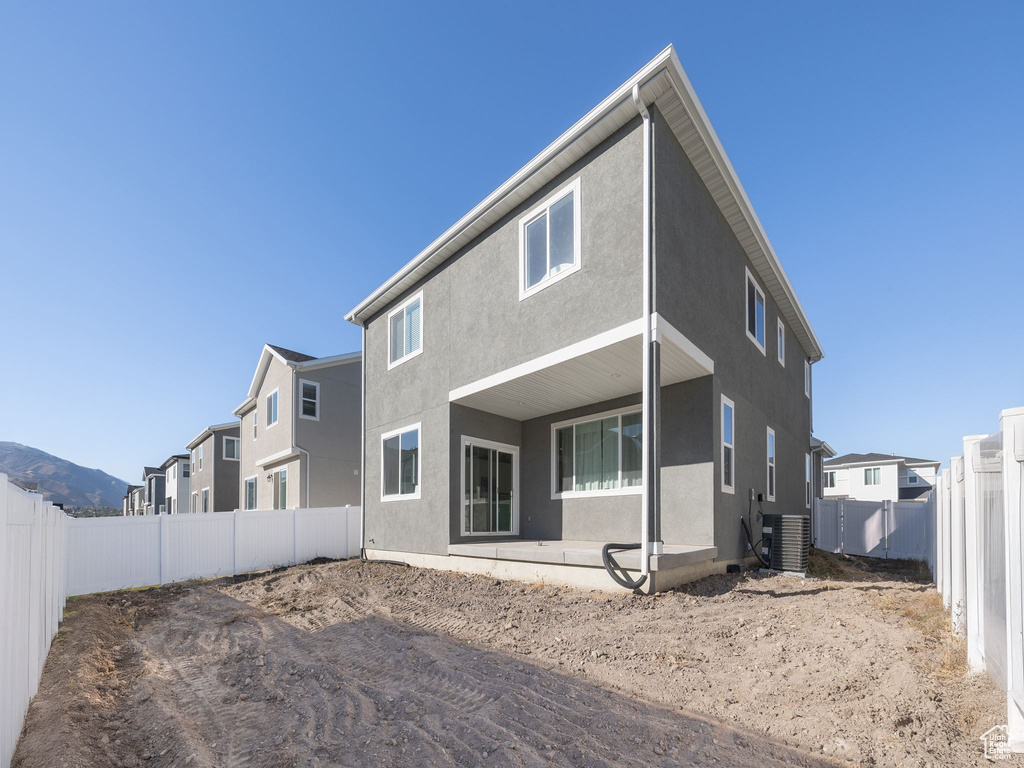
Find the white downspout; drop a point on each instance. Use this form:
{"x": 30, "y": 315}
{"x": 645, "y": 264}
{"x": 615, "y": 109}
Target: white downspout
{"x": 362, "y": 443}
{"x": 645, "y": 497}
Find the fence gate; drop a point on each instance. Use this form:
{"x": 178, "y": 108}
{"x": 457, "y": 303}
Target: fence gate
{"x": 886, "y": 529}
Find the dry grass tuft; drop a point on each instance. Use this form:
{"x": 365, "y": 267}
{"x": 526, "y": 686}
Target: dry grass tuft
{"x": 925, "y": 613}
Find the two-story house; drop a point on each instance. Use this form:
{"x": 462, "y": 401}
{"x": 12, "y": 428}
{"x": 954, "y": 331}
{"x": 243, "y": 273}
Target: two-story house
{"x": 604, "y": 350}
{"x": 137, "y": 501}
{"x": 879, "y": 477}
{"x": 153, "y": 491}
{"x": 129, "y": 501}
{"x": 215, "y": 456}
{"x": 176, "y": 483}
{"x": 300, "y": 431}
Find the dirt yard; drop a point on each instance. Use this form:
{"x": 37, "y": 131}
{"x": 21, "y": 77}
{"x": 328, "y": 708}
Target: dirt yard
{"x": 350, "y": 663}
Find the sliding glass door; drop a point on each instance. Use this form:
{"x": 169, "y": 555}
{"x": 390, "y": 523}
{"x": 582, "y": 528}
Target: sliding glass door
{"x": 490, "y": 481}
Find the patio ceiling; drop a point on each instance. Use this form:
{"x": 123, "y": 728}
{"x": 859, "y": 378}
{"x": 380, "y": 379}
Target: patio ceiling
{"x": 603, "y": 367}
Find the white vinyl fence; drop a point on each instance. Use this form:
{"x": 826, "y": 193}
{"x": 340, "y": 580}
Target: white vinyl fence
{"x": 32, "y": 595}
{"x": 110, "y": 553}
{"x": 980, "y": 561}
{"x": 889, "y": 529}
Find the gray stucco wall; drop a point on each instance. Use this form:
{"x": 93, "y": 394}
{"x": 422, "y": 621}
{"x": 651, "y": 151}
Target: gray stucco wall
{"x": 474, "y": 325}
{"x": 701, "y": 290}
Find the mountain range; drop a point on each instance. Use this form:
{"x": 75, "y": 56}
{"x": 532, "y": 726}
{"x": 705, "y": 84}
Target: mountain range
{"x": 61, "y": 480}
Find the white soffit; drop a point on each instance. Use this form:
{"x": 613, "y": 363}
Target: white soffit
{"x": 662, "y": 82}
{"x": 601, "y": 368}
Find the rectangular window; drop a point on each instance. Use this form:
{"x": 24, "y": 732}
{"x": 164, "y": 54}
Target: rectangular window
{"x": 185, "y": 469}
{"x": 755, "y": 312}
{"x": 807, "y": 378}
{"x": 200, "y": 456}
{"x": 250, "y": 493}
{"x": 549, "y": 241}
{"x": 232, "y": 448}
{"x": 255, "y": 421}
{"x": 829, "y": 480}
{"x": 281, "y": 489}
{"x": 911, "y": 479}
{"x": 195, "y": 501}
{"x": 600, "y": 456}
{"x": 781, "y": 335}
{"x": 728, "y": 447}
{"x": 206, "y": 500}
{"x": 309, "y": 395}
{"x": 873, "y": 476}
{"x": 163, "y": 509}
{"x": 272, "y": 409}
{"x": 400, "y": 463}
{"x": 807, "y": 480}
{"x": 771, "y": 464}
{"x": 405, "y": 331}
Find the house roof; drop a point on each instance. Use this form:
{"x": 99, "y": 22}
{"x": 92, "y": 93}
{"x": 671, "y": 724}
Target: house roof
{"x": 294, "y": 360}
{"x": 875, "y": 458}
{"x": 147, "y": 471}
{"x": 291, "y": 355}
{"x": 173, "y": 459}
{"x": 820, "y": 446}
{"x": 209, "y": 431}
{"x": 661, "y": 82}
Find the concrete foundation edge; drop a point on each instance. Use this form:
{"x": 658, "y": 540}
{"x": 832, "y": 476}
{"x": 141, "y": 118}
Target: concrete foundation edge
{"x": 576, "y": 576}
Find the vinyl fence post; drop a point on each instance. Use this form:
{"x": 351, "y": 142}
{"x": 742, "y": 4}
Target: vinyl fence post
{"x": 234, "y": 543}
{"x": 886, "y": 507}
{"x": 841, "y": 508}
{"x": 348, "y": 516}
{"x": 165, "y": 549}
{"x": 295, "y": 536}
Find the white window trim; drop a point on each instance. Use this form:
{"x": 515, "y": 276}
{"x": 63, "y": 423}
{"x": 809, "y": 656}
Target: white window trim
{"x": 825, "y": 479}
{"x": 807, "y": 379}
{"x": 732, "y": 445}
{"x": 808, "y": 491}
{"x": 255, "y": 421}
{"x": 780, "y": 336}
{"x": 872, "y": 470}
{"x": 746, "y": 310}
{"x": 316, "y": 384}
{"x": 577, "y": 264}
{"x": 238, "y": 448}
{"x": 206, "y": 494}
{"x": 245, "y": 494}
{"x": 266, "y": 397}
{"x": 200, "y": 449}
{"x": 419, "y": 468}
{"x": 277, "y": 489}
{"x": 504, "y": 448}
{"x": 633, "y": 490}
{"x": 400, "y": 308}
{"x": 911, "y": 479}
{"x": 771, "y": 462}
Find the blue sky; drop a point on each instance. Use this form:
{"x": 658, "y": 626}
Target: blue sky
{"x": 180, "y": 182}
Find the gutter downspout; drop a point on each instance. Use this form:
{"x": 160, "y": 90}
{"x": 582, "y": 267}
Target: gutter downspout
{"x": 362, "y": 443}
{"x": 645, "y": 536}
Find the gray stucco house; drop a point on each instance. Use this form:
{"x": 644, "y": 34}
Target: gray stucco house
{"x": 508, "y": 427}
{"x": 300, "y": 431}
{"x": 153, "y": 491}
{"x": 214, "y": 469}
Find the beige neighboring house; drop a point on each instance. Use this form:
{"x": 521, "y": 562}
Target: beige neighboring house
{"x": 301, "y": 431}
{"x": 215, "y": 454}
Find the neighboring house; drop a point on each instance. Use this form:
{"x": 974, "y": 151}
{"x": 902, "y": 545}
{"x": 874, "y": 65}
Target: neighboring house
{"x": 879, "y": 477}
{"x": 213, "y": 469}
{"x": 138, "y": 500}
{"x": 505, "y": 397}
{"x": 300, "y": 430}
{"x": 820, "y": 453}
{"x": 129, "y": 500}
{"x": 153, "y": 487}
{"x": 176, "y": 483}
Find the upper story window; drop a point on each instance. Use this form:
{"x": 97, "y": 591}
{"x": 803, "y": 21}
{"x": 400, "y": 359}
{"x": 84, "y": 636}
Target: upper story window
{"x": 549, "y": 241}
{"x": 309, "y": 393}
{"x": 873, "y": 476}
{"x": 400, "y": 459}
{"x": 807, "y": 378}
{"x": 272, "y": 409}
{"x": 771, "y": 464}
{"x": 255, "y": 421}
{"x": 755, "y": 312}
{"x": 185, "y": 469}
{"x": 781, "y": 335}
{"x": 911, "y": 478}
{"x": 405, "y": 330}
{"x": 728, "y": 449}
{"x": 199, "y": 458}
{"x": 600, "y": 455}
{"x": 232, "y": 448}
{"x": 829, "y": 480}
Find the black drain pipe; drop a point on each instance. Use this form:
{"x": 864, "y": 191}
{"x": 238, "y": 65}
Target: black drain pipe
{"x": 610, "y": 565}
